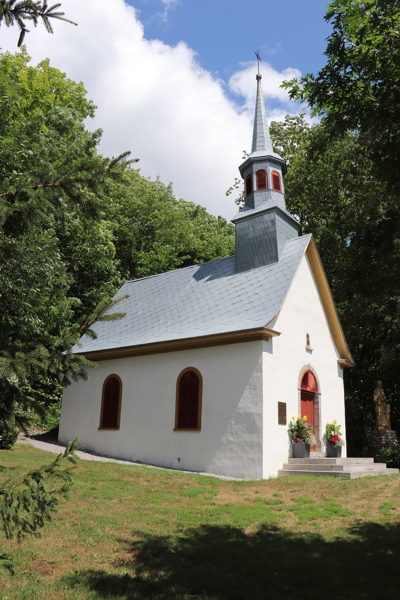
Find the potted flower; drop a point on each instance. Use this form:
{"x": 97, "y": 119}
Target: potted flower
{"x": 333, "y": 439}
{"x": 301, "y": 435}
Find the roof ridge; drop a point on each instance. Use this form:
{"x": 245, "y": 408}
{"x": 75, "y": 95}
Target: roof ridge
{"x": 181, "y": 269}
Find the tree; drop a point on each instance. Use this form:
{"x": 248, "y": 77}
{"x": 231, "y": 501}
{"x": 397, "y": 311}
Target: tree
{"x": 153, "y": 232}
{"x": 331, "y": 186}
{"x": 18, "y": 11}
{"x": 53, "y": 186}
{"x": 74, "y": 225}
{"x": 359, "y": 88}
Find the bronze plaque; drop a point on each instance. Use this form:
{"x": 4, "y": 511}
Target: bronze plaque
{"x": 282, "y": 413}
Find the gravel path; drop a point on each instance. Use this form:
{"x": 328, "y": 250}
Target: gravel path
{"x": 57, "y": 448}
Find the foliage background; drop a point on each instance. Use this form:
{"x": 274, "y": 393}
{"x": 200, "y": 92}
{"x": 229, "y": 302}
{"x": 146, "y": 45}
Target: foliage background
{"x": 73, "y": 227}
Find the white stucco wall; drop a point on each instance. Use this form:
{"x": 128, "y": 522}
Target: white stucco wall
{"x": 230, "y": 440}
{"x": 242, "y": 385}
{"x": 284, "y": 358}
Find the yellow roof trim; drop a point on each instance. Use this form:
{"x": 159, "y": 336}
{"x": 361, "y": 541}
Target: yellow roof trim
{"x": 219, "y": 339}
{"x": 346, "y": 359}
{"x": 343, "y": 363}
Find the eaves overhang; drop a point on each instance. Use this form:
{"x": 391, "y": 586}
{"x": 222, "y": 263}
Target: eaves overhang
{"x": 262, "y": 158}
{"x": 219, "y": 339}
{"x": 248, "y": 213}
{"x": 346, "y": 359}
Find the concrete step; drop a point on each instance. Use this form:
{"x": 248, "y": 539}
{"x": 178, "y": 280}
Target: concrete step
{"x": 346, "y": 468}
{"x": 342, "y": 474}
{"x": 331, "y": 461}
{"x": 332, "y": 467}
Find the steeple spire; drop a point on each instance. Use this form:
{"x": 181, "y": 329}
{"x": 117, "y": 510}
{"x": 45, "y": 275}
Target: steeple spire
{"x": 261, "y": 140}
{"x": 263, "y": 225}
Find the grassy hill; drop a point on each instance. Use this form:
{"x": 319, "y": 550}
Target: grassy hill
{"x": 131, "y": 533}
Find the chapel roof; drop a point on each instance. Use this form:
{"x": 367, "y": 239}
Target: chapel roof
{"x": 205, "y": 299}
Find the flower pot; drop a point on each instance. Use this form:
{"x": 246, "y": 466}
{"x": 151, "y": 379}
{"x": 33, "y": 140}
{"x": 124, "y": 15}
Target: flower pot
{"x": 333, "y": 451}
{"x": 301, "y": 450}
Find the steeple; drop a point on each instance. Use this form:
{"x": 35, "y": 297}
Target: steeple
{"x": 261, "y": 139}
{"x": 263, "y": 225}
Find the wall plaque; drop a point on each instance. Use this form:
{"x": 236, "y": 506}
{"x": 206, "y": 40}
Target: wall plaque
{"x": 282, "y": 413}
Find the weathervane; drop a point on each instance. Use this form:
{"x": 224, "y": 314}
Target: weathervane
{"x": 258, "y": 57}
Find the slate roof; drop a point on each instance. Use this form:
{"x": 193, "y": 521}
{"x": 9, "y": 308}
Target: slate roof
{"x": 261, "y": 138}
{"x": 205, "y": 299}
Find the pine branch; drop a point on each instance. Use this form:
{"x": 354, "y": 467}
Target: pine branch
{"x": 92, "y": 173}
{"x": 28, "y": 501}
{"x": 98, "y": 315}
{"x": 56, "y": 354}
{"x": 16, "y": 13}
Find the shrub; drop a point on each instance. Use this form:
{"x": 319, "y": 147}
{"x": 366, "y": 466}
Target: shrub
{"x": 391, "y": 456}
{"x": 8, "y": 433}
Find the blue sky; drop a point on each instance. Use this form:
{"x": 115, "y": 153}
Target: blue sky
{"x": 224, "y": 33}
{"x": 174, "y": 80}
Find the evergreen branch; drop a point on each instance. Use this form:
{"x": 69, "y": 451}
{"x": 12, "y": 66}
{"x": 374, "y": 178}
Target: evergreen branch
{"x": 116, "y": 162}
{"x": 28, "y": 501}
{"x": 30, "y": 10}
{"x": 98, "y": 316}
{"x": 15, "y": 368}
{"x": 95, "y": 173}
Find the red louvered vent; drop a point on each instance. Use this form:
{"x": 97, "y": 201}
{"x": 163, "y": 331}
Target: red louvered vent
{"x": 276, "y": 181}
{"x": 249, "y": 184}
{"x": 111, "y": 401}
{"x": 188, "y": 402}
{"x": 261, "y": 177}
{"x": 309, "y": 383}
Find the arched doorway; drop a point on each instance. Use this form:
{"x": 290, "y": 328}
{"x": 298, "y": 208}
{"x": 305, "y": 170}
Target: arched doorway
{"x": 309, "y": 404}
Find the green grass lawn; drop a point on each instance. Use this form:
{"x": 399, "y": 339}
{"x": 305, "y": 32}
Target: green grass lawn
{"x": 130, "y": 532}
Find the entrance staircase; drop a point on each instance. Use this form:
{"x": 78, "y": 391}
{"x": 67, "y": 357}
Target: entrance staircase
{"x": 347, "y": 468}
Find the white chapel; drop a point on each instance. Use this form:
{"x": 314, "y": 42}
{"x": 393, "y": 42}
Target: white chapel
{"x": 211, "y": 361}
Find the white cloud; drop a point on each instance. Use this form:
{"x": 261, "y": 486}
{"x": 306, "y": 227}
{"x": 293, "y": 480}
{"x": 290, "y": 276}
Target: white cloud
{"x": 242, "y": 83}
{"x": 168, "y": 5}
{"x": 155, "y": 99}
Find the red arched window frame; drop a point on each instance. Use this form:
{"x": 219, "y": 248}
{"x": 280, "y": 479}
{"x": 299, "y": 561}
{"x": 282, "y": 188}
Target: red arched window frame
{"x": 262, "y": 179}
{"x": 111, "y": 403}
{"x": 249, "y": 184}
{"x": 189, "y": 390}
{"x": 276, "y": 181}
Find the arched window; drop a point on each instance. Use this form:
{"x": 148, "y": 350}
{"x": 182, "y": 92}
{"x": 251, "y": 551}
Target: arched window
{"x": 309, "y": 383}
{"x": 188, "y": 400}
{"x": 111, "y": 403}
{"x": 262, "y": 179}
{"x": 249, "y": 184}
{"x": 276, "y": 181}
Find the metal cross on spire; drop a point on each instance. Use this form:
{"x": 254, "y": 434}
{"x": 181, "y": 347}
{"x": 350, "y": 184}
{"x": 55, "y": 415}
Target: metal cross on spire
{"x": 258, "y": 57}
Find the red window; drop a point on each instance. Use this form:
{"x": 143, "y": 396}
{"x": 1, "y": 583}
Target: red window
{"x": 276, "y": 181}
{"x": 308, "y": 382}
{"x": 249, "y": 184}
{"x": 111, "y": 403}
{"x": 262, "y": 179}
{"x": 188, "y": 402}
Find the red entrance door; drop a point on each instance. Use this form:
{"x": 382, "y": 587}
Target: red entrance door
{"x": 307, "y": 409}
{"x": 308, "y": 400}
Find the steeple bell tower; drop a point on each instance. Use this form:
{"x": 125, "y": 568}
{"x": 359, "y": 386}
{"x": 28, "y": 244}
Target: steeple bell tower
{"x": 263, "y": 225}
